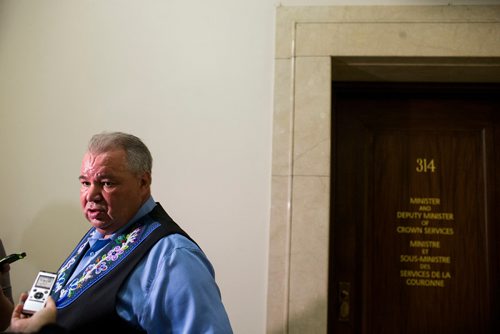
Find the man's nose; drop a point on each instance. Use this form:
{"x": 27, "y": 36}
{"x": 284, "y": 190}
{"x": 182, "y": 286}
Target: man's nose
{"x": 94, "y": 193}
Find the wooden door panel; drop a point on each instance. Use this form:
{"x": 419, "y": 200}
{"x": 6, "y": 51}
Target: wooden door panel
{"x": 413, "y": 203}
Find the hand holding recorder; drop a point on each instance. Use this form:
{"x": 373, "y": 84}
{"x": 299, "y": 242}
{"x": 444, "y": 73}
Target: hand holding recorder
{"x": 22, "y": 323}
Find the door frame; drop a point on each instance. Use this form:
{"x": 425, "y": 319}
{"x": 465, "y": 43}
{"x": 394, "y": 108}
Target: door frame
{"x": 315, "y": 45}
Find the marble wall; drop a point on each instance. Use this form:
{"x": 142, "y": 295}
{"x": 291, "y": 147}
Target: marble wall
{"x": 315, "y": 45}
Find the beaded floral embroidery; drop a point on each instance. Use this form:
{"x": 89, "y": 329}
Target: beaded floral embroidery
{"x": 100, "y": 265}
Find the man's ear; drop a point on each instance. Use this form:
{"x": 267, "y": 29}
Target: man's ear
{"x": 145, "y": 179}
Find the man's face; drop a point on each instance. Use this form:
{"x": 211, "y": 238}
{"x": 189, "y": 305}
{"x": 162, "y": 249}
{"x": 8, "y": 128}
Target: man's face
{"x": 110, "y": 193}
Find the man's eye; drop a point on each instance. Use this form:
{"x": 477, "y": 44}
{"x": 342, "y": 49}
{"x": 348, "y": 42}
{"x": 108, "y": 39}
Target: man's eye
{"x": 85, "y": 184}
{"x": 108, "y": 184}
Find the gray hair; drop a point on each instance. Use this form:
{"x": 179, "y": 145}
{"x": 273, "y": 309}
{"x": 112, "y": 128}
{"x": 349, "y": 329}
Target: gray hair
{"x": 139, "y": 158}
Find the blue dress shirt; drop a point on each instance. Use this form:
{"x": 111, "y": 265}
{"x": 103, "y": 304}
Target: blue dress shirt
{"x": 171, "y": 290}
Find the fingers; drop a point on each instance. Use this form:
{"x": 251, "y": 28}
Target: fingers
{"x": 18, "y": 310}
{"x": 17, "y": 313}
{"x": 50, "y": 303}
{"x": 23, "y": 297}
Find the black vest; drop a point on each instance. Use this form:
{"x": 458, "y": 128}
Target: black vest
{"x": 94, "y": 311}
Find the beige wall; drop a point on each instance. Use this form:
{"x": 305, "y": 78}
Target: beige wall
{"x": 193, "y": 80}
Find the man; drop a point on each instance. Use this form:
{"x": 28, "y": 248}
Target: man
{"x": 135, "y": 270}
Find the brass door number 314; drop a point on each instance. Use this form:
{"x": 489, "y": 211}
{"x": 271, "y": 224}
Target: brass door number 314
{"x": 425, "y": 166}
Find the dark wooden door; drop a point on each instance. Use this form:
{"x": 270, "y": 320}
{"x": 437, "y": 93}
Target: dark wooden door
{"x": 415, "y": 209}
